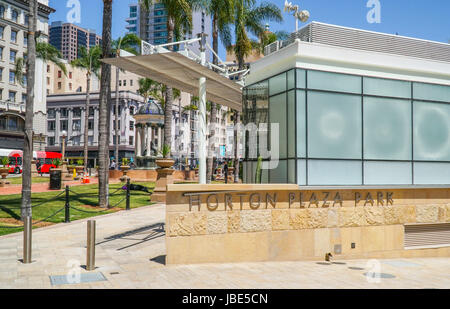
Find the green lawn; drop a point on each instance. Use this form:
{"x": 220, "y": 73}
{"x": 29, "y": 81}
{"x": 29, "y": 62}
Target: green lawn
{"x": 85, "y": 198}
{"x": 18, "y": 180}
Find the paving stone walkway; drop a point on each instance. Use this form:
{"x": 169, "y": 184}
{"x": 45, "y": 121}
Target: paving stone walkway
{"x": 130, "y": 253}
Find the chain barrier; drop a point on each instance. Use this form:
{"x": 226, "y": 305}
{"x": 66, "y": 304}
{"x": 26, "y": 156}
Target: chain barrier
{"x": 67, "y": 206}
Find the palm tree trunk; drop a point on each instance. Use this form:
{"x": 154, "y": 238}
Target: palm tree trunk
{"x": 169, "y": 91}
{"x": 117, "y": 131}
{"x": 104, "y": 107}
{"x": 86, "y": 121}
{"x": 28, "y": 138}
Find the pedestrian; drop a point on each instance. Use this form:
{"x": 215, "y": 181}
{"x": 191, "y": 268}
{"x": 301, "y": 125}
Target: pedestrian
{"x": 113, "y": 165}
{"x": 38, "y": 166}
{"x": 225, "y": 170}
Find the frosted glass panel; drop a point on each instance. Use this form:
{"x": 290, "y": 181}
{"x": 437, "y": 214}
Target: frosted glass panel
{"x": 431, "y": 173}
{"x": 336, "y": 172}
{"x": 334, "y": 126}
{"x": 334, "y": 82}
{"x": 264, "y": 176}
{"x": 291, "y": 124}
{"x": 387, "y": 87}
{"x": 387, "y": 173}
{"x": 277, "y": 84}
{"x": 431, "y": 131}
{"x": 301, "y": 124}
{"x": 301, "y": 78}
{"x": 431, "y": 92}
{"x": 291, "y": 171}
{"x": 387, "y": 129}
{"x": 279, "y": 174}
{"x": 291, "y": 79}
{"x": 301, "y": 172}
{"x": 278, "y": 115}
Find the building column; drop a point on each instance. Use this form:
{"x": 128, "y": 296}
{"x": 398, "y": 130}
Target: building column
{"x": 149, "y": 140}
{"x": 138, "y": 142}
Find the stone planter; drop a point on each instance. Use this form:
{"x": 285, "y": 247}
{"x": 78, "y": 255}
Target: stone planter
{"x": 124, "y": 169}
{"x": 4, "y": 172}
{"x": 165, "y": 163}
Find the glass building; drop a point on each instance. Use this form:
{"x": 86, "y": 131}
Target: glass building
{"x": 351, "y": 116}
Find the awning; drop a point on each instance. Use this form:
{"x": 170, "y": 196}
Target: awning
{"x": 177, "y": 71}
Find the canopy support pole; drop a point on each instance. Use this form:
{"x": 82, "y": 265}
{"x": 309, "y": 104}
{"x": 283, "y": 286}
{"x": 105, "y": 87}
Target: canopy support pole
{"x": 202, "y": 131}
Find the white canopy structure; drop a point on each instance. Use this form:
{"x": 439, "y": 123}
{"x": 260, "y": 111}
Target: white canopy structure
{"x": 189, "y": 72}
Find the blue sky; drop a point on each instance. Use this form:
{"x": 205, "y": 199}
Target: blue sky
{"x": 422, "y": 19}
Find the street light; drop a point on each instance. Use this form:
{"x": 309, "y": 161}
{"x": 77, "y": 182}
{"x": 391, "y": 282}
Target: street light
{"x": 63, "y": 135}
{"x": 303, "y": 16}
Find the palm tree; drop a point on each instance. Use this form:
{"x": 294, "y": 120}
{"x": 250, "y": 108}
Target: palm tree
{"x": 248, "y": 18}
{"x": 127, "y": 43}
{"x": 28, "y": 138}
{"x": 104, "y": 107}
{"x": 147, "y": 87}
{"x": 89, "y": 61}
{"x": 47, "y": 53}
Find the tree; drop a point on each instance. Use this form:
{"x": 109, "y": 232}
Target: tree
{"x": 90, "y": 62}
{"x": 248, "y": 18}
{"x": 28, "y": 138}
{"x": 47, "y": 53}
{"x": 127, "y": 43}
{"x": 104, "y": 107}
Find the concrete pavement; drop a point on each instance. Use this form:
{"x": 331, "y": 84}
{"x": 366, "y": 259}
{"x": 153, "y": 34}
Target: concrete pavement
{"x": 130, "y": 254}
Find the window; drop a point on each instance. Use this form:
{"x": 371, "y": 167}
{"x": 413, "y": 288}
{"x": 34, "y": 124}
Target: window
{"x": 76, "y": 140}
{"x": 131, "y": 82}
{"x": 70, "y": 75}
{"x": 131, "y": 140}
{"x": 24, "y": 97}
{"x": 14, "y": 16}
{"x": 48, "y": 80}
{"x": 76, "y": 125}
{"x": 51, "y": 113}
{"x": 27, "y": 20}
{"x": 120, "y": 83}
{"x": 77, "y": 112}
{"x": 1, "y": 52}
{"x": 91, "y": 112}
{"x": 70, "y": 86}
{"x": 2, "y": 31}
{"x": 12, "y": 77}
{"x": 1, "y": 75}
{"x": 25, "y": 40}
{"x": 2, "y": 11}
{"x": 59, "y": 85}
{"x": 114, "y": 125}
{"x": 334, "y": 82}
{"x": 12, "y": 56}
{"x": 63, "y": 125}
{"x": 125, "y": 83}
{"x": 48, "y": 68}
{"x": 90, "y": 140}
{"x": 59, "y": 74}
{"x": 12, "y": 96}
{"x": 91, "y": 124}
{"x": 51, "y": 126}
{"x": 13, "y": 36}
{"x": 131, "y": 125}
{"x": 50, "y": 141}
{"x": 64, "y": 112}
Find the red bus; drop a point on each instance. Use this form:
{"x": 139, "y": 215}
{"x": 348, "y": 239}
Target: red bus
{"x": 15, "y": 159}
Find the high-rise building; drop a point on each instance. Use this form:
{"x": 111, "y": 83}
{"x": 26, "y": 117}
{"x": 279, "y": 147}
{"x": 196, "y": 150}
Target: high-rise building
{"x": 13, "y": 45}
{"x": 68, "y": 38}
{"x": 151, "y": 26}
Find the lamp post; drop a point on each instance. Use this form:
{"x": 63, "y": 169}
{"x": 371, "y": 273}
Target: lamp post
{"x": 303, "y": 16}
{"x": 64, "y": 136}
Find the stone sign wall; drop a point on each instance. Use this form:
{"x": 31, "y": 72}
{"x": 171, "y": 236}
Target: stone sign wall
{"x": 234, "y": 223}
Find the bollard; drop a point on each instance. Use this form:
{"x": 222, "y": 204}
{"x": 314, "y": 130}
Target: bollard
{"x": 90, "y": 252}
{"x": 27, "y": 243}
{"x": 67, "y": 207}
{"x": 127, "y": 207}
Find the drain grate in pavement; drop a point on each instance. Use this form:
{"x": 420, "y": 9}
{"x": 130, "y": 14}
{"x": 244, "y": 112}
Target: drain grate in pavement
{"x": 84, "y": 278}
{"x": 400, "y": 263}
{"x": 379, "y": 275}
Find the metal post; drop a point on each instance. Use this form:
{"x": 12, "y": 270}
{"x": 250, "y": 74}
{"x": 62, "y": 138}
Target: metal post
{"x": 67, "y": 207}
{"x": 127, "y": 207}
{"x": 27, "y": 241}
{"x": 202, "y": 116}
{"x": 90, "y": 252}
